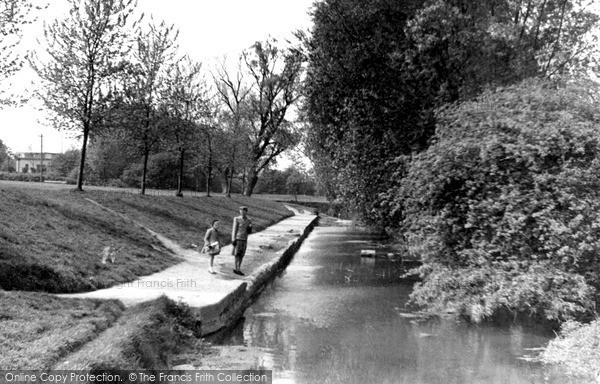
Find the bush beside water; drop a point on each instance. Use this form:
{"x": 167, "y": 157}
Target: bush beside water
{"x": 505, "y": 205}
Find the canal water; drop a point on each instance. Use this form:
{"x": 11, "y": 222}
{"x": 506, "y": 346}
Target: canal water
{"x": 334, "y": 317}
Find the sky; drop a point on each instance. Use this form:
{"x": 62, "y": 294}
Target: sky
{"x": 208, "y": 30}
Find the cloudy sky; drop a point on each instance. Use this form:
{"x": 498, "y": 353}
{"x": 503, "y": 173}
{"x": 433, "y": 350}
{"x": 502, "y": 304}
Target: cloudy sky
{"x": 208, "y": 29}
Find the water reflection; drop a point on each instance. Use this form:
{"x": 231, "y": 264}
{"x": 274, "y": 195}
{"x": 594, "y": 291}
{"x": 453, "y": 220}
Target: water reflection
{"x": 335, "y": 317}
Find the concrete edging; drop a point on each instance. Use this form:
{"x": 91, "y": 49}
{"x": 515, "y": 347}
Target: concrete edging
{"x": 229, "y": 310}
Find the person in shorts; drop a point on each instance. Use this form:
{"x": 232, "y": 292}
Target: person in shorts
{"x": 242, "y": 227}
{"x": 212, "y": 244}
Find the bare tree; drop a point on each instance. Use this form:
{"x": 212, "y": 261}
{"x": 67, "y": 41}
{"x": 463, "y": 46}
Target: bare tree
{"x": 83, "y": 51}
{"x": 276, "y": 77}
{"x": 257, "y": 97}
{"x": 232, "y": 92}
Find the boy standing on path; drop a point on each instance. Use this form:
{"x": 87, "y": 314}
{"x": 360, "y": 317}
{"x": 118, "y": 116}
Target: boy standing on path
{"x": 242, "y": 227}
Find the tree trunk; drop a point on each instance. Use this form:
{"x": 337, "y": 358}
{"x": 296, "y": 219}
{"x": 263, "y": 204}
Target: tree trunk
{"x": 252, "y": 180}
{"x": 180, "y": 173}
{"x": 144, "y": 172}
{"x": 230, "y": 181}
{"x": 86, "y": 134}
{"x": 224, "y": 178}
{"x": 231, "y": 171}
{"x": 209, "y": 173}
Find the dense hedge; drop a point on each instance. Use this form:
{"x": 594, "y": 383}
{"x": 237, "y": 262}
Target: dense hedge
{"x": 35, "y": 177}
{"x": 505, "y": 204}
{"x": 11, "y": 176}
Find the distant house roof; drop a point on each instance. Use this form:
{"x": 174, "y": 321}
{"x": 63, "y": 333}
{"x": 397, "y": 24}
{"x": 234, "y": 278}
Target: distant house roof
{"x": 35, "y": 156}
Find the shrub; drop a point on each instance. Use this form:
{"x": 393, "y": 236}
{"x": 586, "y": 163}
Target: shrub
{"x": 505, "y": 204}
{"x": 576, "y": 349}
{"x": 73, "y": 175}
{"x": 20, "y": 176}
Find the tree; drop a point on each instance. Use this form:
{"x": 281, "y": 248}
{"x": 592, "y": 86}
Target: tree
{"x": 505, "y": 204}
{"x": 298, "y": 182}
{"x": 275, "y": 74}
{"x": 108, "y": 158}
{"x": 233, "y": 92}
{"x": 137, "y": 114}
{"x": 363, "y": 107}
{"x": 64, "y": 163}
{"x": 272, "y": 181}
{"x": 471, "y": 45}
{"x": 187, "y": 106}
{"x": 6, "y": 160}
{"x": 83, "y": 53}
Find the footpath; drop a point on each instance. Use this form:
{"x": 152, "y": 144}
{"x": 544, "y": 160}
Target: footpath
{"x": 218, "y": 300}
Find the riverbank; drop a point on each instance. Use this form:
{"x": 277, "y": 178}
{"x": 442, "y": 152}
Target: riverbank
{"x": 52, "y": 240}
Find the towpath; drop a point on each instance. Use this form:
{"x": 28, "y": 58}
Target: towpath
{"x": 216, "y": 297}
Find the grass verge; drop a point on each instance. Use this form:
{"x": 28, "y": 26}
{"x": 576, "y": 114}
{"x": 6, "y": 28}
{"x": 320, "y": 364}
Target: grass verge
{"x": 145, "y": 337}
{"x": 36, "y": 329}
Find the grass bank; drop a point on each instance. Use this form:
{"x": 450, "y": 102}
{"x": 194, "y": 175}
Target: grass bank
{"x": 51, "y": 239}
{"x": 145, "y": 337}
{"x": 37, "y": 330}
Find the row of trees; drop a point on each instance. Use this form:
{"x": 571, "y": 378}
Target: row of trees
{"x": 109, "y": 165}
{"x": 113, "y": 78}
{"x": 424, "y": 117}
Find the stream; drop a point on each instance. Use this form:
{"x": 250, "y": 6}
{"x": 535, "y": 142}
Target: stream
{"x": 336, "y": 317}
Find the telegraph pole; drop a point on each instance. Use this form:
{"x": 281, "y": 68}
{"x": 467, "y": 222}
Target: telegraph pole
{"x": 41, "y": 158}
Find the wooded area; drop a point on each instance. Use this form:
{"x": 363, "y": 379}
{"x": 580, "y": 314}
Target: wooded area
{"x": 469, "y": 130}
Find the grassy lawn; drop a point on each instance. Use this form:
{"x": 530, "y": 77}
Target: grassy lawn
{"x": 37, "y": 329}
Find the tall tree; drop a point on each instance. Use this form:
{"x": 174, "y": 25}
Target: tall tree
{"x": 362, "y": 105}
{"x": 83, "y": 51}
{"x": 188, "y": 108}
{"x": 137, "y": 113}
{"x": 232, "y": 92}
{"x": 275, "y": 74}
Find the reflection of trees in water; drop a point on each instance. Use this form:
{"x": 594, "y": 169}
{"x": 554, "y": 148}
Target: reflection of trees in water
{"x": 365, "y": 350}
{"x": 277, "y": 334}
